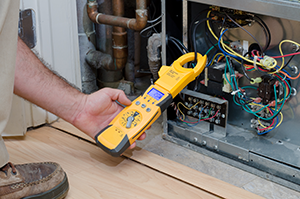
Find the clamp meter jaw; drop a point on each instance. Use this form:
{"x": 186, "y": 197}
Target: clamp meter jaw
{"x": 133, "y": 120}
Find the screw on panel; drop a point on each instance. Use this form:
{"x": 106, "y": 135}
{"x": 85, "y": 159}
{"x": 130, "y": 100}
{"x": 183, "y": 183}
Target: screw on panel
{"x": 195, "y": 139}
{"x": 203, "y": 142}
{"x": 279, "y": 142}
{"x": 293, "y": 92}
{"x": 294, "y": 69}
{"x": 216, "y": 147}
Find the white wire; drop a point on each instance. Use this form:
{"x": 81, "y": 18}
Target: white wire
{"x": 150, "y": 26}
{"x": 154, "y": 20}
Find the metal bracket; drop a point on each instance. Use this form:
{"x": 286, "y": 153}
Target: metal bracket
{"x": 27, "y": 27}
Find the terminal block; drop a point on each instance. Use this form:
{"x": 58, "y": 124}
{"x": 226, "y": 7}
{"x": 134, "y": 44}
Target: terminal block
{"x": 213, "y": 109}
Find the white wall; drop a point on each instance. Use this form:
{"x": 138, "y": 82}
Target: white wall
{"x": 57, "y": 44}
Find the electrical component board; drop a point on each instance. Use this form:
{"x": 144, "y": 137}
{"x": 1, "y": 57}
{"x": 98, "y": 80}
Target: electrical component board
{"x": 206, "y": 108}
{"x": 253, "y": 65}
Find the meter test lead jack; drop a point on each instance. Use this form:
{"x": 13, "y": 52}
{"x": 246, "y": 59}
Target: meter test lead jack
{"x": 133, "y": 120}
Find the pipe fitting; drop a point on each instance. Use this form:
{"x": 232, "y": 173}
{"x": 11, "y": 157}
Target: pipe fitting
{"x": 154, "y": 43}
{"x": 97, "y": 59}
{"x": 136, "y": 24}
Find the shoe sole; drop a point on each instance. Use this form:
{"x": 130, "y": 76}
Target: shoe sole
{"x": 58, "y": 192}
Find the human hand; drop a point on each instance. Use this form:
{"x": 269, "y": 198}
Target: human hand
{"x": 97, "y": 110}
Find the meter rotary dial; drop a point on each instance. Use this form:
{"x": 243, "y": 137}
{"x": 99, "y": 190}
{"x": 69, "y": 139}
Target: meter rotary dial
{"x": 130, "y": 119}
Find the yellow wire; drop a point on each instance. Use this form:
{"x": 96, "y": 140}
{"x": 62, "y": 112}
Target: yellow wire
{"x": 215, "y": 58}
{"x": 208, "y": 25}
{"x": 281, "y": 119}
{"x": 185, "y": 108}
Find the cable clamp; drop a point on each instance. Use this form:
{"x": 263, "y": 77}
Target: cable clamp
{"x": 254, "y": 63}
{"x": 235, "y": 92}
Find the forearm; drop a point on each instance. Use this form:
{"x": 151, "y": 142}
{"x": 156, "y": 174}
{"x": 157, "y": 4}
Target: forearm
{"x": 37, "y": 84}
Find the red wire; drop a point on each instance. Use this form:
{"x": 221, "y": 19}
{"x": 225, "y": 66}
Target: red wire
{"x": 210, "y": 117}
{"x": 271, "y": 124}
{"x": 287, "y": 55}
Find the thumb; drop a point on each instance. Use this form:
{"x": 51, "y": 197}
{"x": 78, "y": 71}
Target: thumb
{"x": 117, "y": 94}
{"x": 122, "y": 98}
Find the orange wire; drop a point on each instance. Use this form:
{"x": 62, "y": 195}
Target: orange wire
{"x": 290, "y": 76}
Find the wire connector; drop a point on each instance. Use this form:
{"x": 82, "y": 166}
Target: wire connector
{"x": 256, "y": 80}
{"x": 268, "y": 62}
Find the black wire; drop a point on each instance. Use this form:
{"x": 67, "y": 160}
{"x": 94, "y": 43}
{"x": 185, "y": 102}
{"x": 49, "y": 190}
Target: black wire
{"x": 194, "y": 37}
{"x": 264, "y": 26}
{"x": 207, "y": 36}
{"x": 175, "y": 43}
{"x": 243, "y": 68}
{"x": 287, "y": 63}
{"x": 193, "y": 23}
{"x": 261, "y": 49}
{"x": 179, "y": 42}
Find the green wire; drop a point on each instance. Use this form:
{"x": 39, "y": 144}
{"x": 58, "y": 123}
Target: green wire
{"x": 249, "y": 86}
{"x": 211, "y": 48}
{"x": 275, "y": 97}
{"x": 207, "y": 115}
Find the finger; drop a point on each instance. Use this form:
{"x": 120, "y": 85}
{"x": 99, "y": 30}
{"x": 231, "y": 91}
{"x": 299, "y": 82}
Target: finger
{"x": 122, "y": 98}
{"x": 132, "y": 146}
{"x": 143, "y": 136}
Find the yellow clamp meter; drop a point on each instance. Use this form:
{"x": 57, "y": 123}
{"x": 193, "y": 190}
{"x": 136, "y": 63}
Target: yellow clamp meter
{"x": 133, "y": 120}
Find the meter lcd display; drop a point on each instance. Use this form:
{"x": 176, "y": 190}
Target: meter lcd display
{"x": 155, "y": 94}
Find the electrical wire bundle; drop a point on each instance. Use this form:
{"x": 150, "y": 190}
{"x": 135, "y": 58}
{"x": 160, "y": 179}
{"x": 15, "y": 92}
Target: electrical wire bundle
{"x": 268, "y": 116}
{"x": 181, "y": 116}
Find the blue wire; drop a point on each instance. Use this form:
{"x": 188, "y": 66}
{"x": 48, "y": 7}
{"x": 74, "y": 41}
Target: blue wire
{"x": 197, "y": 121}
{"x": 265, "y": 132}
{"x": 225, "y": 53}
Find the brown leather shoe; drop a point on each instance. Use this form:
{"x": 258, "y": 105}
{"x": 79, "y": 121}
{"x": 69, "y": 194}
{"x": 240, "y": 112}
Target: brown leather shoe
{"x": 35, "y": 180}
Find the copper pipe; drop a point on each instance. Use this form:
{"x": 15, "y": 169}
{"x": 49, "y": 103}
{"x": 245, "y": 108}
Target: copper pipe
{"x": 119, "y": 37}
{"x": 136, "y": 24}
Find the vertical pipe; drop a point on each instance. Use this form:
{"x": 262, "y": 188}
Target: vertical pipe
{"x": 104, "y": 44}
{"x": 119, "y": 37}
{"x": 86, "y": 37}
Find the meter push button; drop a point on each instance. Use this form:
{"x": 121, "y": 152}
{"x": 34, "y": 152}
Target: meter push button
{"x": 137, "y": 103}
{"x": 143, "y": 105}
{"x": 148, "y": 109}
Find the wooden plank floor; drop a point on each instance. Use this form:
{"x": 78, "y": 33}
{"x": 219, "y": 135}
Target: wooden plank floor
{"x": 171, "y": 168}
{"x": 94, "y": 174}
